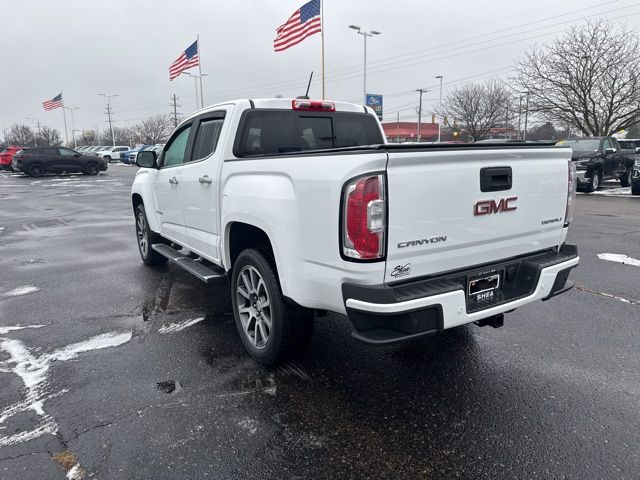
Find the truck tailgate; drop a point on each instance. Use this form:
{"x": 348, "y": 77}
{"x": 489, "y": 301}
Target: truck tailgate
{"x": 440, "y": 220}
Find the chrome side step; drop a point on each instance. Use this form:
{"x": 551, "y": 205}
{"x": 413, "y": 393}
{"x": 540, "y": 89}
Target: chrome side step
{"x": 203, "y": 272}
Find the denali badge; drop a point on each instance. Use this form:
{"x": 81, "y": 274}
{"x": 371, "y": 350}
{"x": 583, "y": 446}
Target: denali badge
{"x": 423, "y": 241}
{"x": 401, "y": 271}
{"x": 487, "y": 207}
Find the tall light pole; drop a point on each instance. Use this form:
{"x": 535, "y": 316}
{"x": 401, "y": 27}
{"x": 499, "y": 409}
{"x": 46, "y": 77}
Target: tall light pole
{"x": 73, "y": 125}
{"x": 440, "y": 112}
{"x": 109, "y": 113}
{"x": 199, "y": 98}
{"x": 365, "y": 34}
{"x": 33, "y": 122}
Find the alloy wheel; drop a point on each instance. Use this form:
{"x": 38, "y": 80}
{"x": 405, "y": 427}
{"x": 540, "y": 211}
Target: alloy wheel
{"x": 141, "y": 231}
{"x": 254, "y": 307}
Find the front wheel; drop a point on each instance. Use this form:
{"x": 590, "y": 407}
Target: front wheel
{"x": 594, "y": 181}
{"x": 271, "y": 329}
{"x": 625, "y": 180}
{"x": 147, "y": 237}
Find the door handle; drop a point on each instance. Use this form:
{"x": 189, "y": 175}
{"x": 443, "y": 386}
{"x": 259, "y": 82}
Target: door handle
{"x": 173, "y": 181}
{"x": 205, "y": 179}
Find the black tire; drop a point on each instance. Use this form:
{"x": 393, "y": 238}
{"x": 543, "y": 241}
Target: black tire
{"x": 291, "y": 326}
{"x": 635, "y": 188}
{"x": 594, "y": 181}
{"x": 107, "y": 159}
{"x": 91, "y": 168}
{"x": 147, "y": 237}
{"x": 36, "y": 170}
{"x": 625, "y": 180}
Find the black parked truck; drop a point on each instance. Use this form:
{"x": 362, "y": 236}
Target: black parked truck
{"x": 38, "y": 161}
{"x": 598, "y": 159}
{"x": 631, "y": 146}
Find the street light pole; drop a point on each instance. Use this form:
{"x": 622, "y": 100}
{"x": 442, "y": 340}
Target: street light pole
{"x": 109, "y": 113}
{"x": 199, "y": 99}
{"x": 440, "y": 112}
{"x": 365, "y": 34}
{"x": 33, "y": 122}
{"x": 73, "y": 125}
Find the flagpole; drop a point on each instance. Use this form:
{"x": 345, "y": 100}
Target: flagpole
{"x": 200, "y": 71}
{"x": 322, "y": 34}
{"x": 64, "y": 116}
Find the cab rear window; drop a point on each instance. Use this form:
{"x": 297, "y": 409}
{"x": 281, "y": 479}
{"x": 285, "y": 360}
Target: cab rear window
{"x": 273, "y": 132}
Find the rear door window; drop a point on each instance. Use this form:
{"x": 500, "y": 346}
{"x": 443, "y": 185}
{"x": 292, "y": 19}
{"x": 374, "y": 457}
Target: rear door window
{"x": 272, "y": 132}
{"x": 207, "y": 138}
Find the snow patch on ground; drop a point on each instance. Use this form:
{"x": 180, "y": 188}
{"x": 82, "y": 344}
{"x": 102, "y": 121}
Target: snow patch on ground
{"x": 13, "y": 328}
{"x": 250, "y": 425}
{"x": 75, "y": 473}
{"x": 24, "y": 290}
{"x": 33, "y": 371}
{"x": 176, "y": 327}
{"x": 619, "y": 258}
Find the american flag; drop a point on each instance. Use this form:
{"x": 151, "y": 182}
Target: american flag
{"x": 189, "y": 58}
{"x": 55, "y": 102}
{"x": 303, "y": 23}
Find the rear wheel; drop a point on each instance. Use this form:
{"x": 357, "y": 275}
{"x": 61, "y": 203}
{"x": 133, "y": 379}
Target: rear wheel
{"x": 36, "y": 170}
{"x": 147, "y": 237}
{"x": 625, "y": 180}
{"x": 271, "y": 329}
{"x": 91, "y": 168}
{"x": 594, "y": 181}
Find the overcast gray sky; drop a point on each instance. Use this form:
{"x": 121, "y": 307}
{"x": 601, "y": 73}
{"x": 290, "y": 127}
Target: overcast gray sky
{"x": 86, "y": 47}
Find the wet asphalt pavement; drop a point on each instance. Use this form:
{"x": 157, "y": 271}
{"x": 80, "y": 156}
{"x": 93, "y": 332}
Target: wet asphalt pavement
{"x": 112, "y": 376}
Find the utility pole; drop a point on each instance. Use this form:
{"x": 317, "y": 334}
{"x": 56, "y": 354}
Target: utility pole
{"x": 175, "y": 110}
{"x": 440, "y": 112}
{"x": 421, "y": 90}
{"x": 519, "y": 116}
{"x": 526, "y": 117}
{"x": 109, "y": 114}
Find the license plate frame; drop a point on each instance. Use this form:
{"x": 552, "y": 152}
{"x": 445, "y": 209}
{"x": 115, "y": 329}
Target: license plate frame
{"x": 484, "y": 285}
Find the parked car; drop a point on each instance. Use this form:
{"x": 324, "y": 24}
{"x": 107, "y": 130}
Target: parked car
{"x": 93, "y": 151}
{"x": 302, "y": 205}
{"x": 129, "y": 157}
{"x": 112, "y": 153}
{"x": 6, "y": 156}
{"x": 38, "y": 161}
{"x": 597, "y": 159}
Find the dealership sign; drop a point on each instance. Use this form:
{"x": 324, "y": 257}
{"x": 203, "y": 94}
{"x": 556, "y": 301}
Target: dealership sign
{"x": 375, "y": 102}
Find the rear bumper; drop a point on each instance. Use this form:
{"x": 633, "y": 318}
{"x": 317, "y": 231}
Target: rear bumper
{"x": 387, "y": 314}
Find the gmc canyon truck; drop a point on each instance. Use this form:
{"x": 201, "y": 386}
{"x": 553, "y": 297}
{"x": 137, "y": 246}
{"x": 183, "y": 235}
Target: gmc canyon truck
{"x": 600, "y": 158}
{"x": 304, "y": 208}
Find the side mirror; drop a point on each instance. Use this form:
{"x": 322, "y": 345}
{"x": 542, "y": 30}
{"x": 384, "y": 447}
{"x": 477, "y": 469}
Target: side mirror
{"x": 638, "y": 150}
{"x": 146, "y": 159}
{"x": 609, "y": 151}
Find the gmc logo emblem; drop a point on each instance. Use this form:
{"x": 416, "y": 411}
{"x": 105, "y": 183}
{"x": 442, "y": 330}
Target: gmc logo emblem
{"x": 488, "y": 207}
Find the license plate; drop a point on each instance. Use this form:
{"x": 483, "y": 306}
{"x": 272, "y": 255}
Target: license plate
{"x": 484, "y": 286}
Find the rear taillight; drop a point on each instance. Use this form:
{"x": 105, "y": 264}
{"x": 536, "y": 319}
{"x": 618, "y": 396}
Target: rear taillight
{"x": 571, "y": 194}
{"x": 364, "y": 218}
{"x": 313, "y": 105}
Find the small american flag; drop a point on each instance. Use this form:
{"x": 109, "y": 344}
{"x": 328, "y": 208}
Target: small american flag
{"x": 55, "y": 102}
{"x": 303, "y": 23}
{"x": 189, "y": 58}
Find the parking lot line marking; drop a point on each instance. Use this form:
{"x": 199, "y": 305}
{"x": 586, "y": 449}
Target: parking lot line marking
{"x": 619, "y": 258}
{"x": 24, "y": 290}
{"x": 176, "y": 327}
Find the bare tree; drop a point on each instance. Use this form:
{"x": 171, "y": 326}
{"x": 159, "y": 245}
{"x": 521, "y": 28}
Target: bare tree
{"x": 588, "y": 78}
{"x": 49, "y": 137}
{"x": 154, "y": 129}
{"x": 479, "y": 108}
{"x": 20, "y": 134}
{"x": 122, "y": 135}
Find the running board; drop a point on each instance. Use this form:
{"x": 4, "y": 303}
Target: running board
{"x": 203, "y": 272}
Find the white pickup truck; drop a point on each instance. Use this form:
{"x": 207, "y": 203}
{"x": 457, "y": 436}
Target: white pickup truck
{"x": 305, "y": 208}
